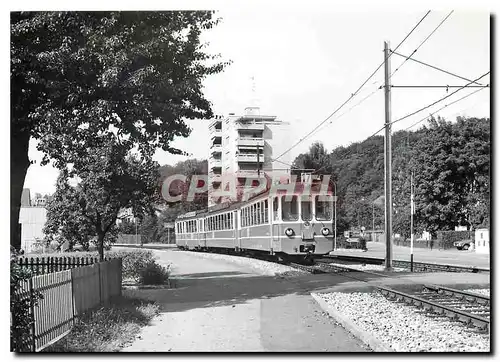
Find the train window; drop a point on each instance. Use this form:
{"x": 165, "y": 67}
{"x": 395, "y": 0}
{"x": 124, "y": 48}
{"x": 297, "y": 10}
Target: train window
{"x": 289, "y": 208}
{"x": 275, "y": 208}
{"x": 323, "y": 208}
{"x": 231, "y": 220}
{"x": 266, "y": 211}
{"x": 257, "y": 212}
{"x": 306, "y": 211}
{"x": 226, "y": 221}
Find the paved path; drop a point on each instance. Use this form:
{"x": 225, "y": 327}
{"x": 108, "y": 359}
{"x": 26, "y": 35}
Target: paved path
{"x": 451, "y": 256}
{"x": 219, "y": 306}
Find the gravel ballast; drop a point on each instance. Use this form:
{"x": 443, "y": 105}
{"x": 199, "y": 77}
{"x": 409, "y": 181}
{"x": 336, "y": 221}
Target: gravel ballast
{"x": 479, "y": 291}
{"x": 368, "y": 267}
{"x": 260, "y": 266}
{"x": 403, "y": 328}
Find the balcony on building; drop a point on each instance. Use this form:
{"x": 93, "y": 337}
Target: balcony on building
{"x": 249, "y": 157}
{"x": 251, "y": 126}
{"x": 215, "y": 133}
{"x": 216, "y": 148}
{"x": 250, "y": 142}
{"x": 215, "y": 178}
{"x": 248, "y": 173}
{"x": 215, "y": 162}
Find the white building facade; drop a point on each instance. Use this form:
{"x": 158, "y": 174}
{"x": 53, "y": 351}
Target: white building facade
{"x": 243, "y": 147}
{"x": 32, "y": 220}
{"x": 482, "y": 241}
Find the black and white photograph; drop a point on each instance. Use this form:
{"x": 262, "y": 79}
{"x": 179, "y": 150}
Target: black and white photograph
{"x": 246, "y": 178}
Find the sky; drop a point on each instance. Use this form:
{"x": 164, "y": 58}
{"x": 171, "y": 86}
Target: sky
{"x": 307, "y": 62}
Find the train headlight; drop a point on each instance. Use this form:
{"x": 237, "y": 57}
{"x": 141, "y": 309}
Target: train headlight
{"x": 325, "y": 231}
{"x": 289, "y": 232}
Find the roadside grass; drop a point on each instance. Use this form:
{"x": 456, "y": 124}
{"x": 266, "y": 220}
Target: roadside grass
{"x": 108, "y": 328}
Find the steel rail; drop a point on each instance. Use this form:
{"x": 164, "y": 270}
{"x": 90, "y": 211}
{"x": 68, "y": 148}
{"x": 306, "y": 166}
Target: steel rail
{"x": 461, "y": 294}
{"x": 454, "y": 313}
{"x": 406, "y": 264}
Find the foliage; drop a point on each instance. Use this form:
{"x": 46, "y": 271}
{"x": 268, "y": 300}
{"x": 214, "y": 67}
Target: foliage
{"x": 108, "y": 328}
{"x": 20, "y": 306}
{"x": 110, "y": 180}
{"x": 188, "y": 168}
{"x": 133, "y": 262}
{"x": 447, "y": 238}
{"x": 154, "y": 274}
{"x": 126, "y": 227}
{"x": 316, "y": 159}
{"x": 78, "y": 76}
{"x": 451, "y": 165}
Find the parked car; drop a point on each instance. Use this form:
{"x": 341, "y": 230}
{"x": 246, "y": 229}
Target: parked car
{"x": 462, "y": 244}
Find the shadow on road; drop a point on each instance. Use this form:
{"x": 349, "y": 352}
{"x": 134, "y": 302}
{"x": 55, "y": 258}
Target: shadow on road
{"x": 205, "y": 290}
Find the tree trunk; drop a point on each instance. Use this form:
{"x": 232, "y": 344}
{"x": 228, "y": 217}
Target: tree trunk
{"x": 100, "y": 245}
{"x": 19, "y": 163}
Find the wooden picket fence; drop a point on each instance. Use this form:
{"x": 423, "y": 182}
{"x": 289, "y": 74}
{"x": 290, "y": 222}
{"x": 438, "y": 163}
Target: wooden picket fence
{"x": 46, "y": 265}
{"x": 66, "y": 295}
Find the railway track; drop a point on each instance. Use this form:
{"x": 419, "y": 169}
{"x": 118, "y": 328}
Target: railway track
{"x": 469, "y": 308}
{"x": 417, "y": 266}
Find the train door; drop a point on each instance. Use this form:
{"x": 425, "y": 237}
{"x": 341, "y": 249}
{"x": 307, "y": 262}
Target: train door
{"x": 275, "y": 218}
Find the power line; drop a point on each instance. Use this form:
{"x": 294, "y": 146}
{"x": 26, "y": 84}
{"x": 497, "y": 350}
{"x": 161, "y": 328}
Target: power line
{"x": 447, "y": 105}
{"x": 353, "y": 94}
{"x": 439, "y": 100}
{"x": 434, "y": 67}
{"x": 422, "y": 43}
{"x": 349, "y": 110}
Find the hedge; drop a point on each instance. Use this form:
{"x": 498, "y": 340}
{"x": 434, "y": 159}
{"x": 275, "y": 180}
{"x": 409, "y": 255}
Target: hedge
{"x": 445, "y": 239}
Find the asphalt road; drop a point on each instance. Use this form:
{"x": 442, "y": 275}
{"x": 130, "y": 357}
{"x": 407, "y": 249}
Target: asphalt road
{"x": 218, "y": 306}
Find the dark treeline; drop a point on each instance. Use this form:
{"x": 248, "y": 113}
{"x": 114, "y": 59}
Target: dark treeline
{"x": 451, "y": 166}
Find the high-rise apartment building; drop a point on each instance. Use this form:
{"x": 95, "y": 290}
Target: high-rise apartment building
{"x": 243, "y": 146}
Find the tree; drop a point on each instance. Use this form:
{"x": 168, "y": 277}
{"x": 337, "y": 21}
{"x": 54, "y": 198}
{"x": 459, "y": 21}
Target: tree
{"x": 451, "y": 165}
{"x": 110, "y": 180}
{"x": 316, "y": 159}
{"x": 79, "y": 75}
{"x": 65, "y": 220}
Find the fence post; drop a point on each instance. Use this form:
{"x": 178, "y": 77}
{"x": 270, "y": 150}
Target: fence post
{"x": 32, "y": 311}
{"x": 73, "y": 293}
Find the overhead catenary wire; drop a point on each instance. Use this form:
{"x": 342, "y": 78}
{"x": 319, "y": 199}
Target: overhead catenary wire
{"x": 422, "y": 43}
{"x": 439, "y": 100}
{"x": 352, "y": 94}
{"x": 445, "y": 106}
{"x": 434, "y": 67}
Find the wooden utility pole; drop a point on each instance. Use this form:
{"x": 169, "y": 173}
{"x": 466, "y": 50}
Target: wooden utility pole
{"x": 388, "y": 158}
{"x": 412, "y": 206}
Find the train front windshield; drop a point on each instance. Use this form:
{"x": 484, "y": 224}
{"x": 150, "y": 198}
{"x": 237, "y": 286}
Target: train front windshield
{"x": 323, "y": 208}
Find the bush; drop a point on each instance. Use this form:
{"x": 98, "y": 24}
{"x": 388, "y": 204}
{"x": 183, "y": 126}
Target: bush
{"x": 22, "y": 318}
{"x": 154, "y": 274}
{"x": 133, "y": 262}
{"x": 447, "y": 238}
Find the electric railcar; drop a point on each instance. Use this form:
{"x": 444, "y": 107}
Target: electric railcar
{"x": 298, "y": 226}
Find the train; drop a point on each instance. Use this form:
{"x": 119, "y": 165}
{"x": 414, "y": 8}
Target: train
{"x": 292, "y": 227}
